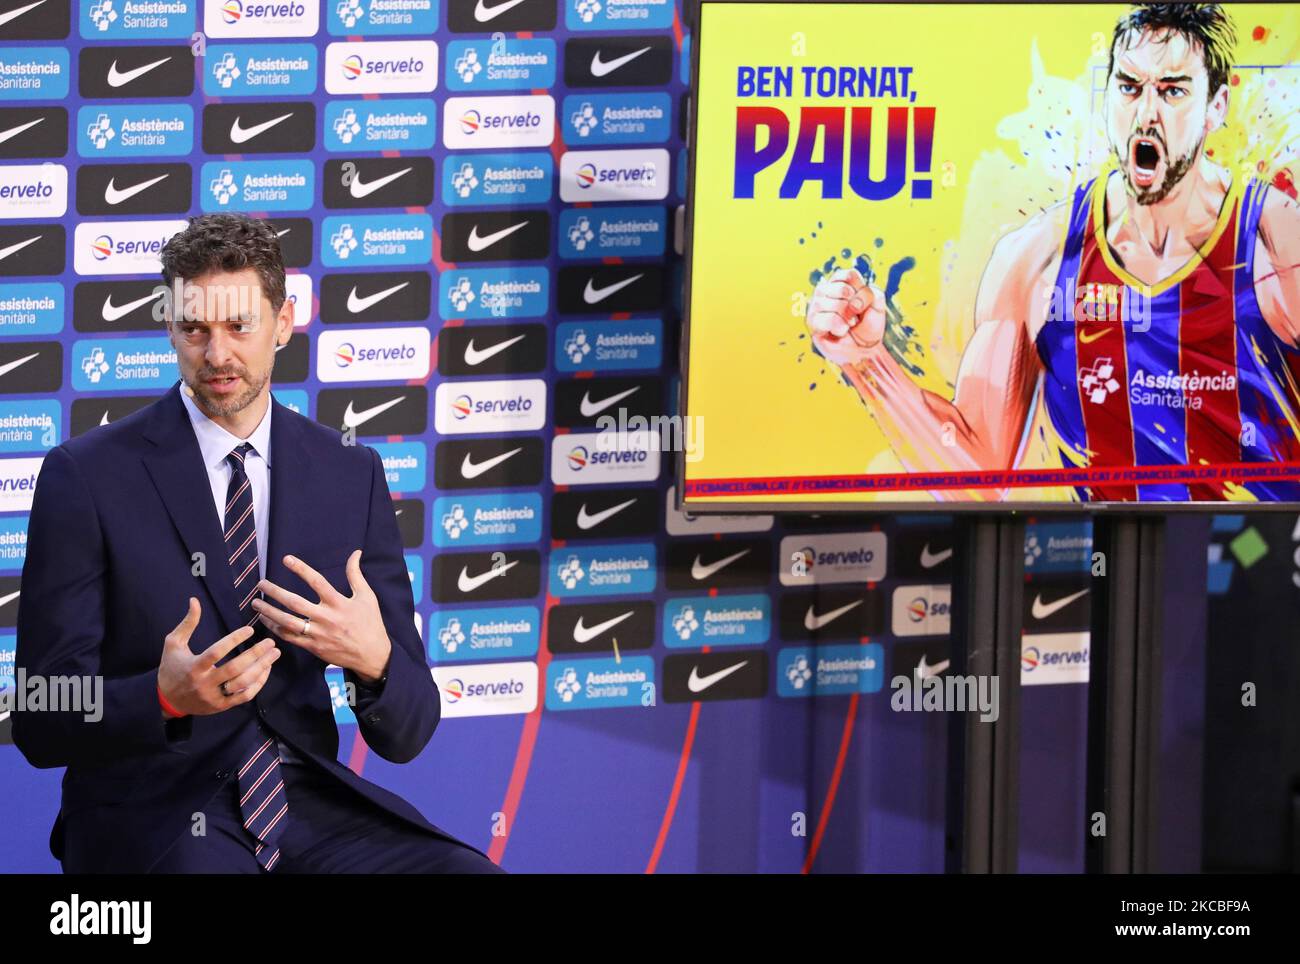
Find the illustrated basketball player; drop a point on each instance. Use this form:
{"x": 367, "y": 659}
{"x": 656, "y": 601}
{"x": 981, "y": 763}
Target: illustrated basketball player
{"x": 1210, "y": 264}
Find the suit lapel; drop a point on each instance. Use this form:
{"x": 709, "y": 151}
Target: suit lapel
{"x": 176, "y": 467}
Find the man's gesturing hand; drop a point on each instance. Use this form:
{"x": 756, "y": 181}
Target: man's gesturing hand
{"x": 347, "y": 631}
{"x": 193, "y": 684}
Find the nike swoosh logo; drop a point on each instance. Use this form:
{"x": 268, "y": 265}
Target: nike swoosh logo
{"x": 585, "y": 634}
{"x": 698, "y": 684}
{"x": 357, "y": 304}
{"x": 925, "y": 672}
{"x": 13, "y": 248}
{"x": 116, "y": 78}
{"x": 594, "y": 296}
{"x": 931, "y": 559}
{"x": 116, "y": 195}
{"x": 351, "y": 419}
{"x": 477, "y": 242}
{"x": 483, "y": 13}
{"x": 472, "y": 470}
{"x": 1088, "y": 339}
{"x": 700, "y": 571}
{"x": 599, "y": 68}
{"x": 104, "y": 419}
{"x": 1042, "y": 610}
{"x": 586, "y": 521}
{"x": 467, "y": 583}
{"x": 474, "y": 356}
{"x": 112, "y": 312}
{"x": 15, "y": 131}
{"x": 813, "y": 622}
{"x": 360, "y": 189}
{"x": 590, "y": 408}
{"x": 10, "y": 366}
{"x": 6, "y": 600}
{"x": 241, "y": 134}
{"x": 13, "y": 14}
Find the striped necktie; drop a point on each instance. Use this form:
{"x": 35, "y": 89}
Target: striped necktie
{"x": 261, "y": 787}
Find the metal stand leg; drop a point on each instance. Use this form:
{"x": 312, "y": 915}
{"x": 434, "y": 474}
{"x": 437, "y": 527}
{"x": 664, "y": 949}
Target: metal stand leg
{"x": 1124, "y": 694}
{"x": 984, "y": 757}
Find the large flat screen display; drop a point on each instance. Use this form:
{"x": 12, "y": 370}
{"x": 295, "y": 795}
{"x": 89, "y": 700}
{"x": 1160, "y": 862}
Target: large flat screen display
{"x": 978, "y": 254}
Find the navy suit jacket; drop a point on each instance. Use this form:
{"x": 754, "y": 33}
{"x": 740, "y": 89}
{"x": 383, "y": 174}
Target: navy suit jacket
{"x": 118, "y": 518}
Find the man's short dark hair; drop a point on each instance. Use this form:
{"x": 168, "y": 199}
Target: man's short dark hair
{"x": 226, "y": 242}
{"x": 1201, "y": 24}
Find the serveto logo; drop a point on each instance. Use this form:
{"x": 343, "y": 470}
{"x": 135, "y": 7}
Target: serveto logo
{"x": 121, "y": 247}
{"x": 501, "y": 64}
{"x": 488, "y": 689}
{"x": 33, "y": 73}
{"x": 253, "y": 70}
{"x": 921, "y": 610}
{"x": 372, "y": 354}
{"x": 843, "y": 557}
{"x": 33, "y": 191}
{"x": 365, "y": 18}
{"x": 514, "y": 121}
{"x": 1051, "y": 658}
{"x": 249, "y": 18}
{"x": 18, "y": 483}
{"x": 514, "y": 179}
{"x": 381, "y": 67}
{"x": 135, "y": 130}
{"x": 614, "y": 175}
{"x": 616, "y": 14}
{"x": 590, "y": 458}
{"x": 633, "y": 232}
{"x": 408, "y": 125}
{"x": 617, "y": 118}
{"x": 499, "y": 405}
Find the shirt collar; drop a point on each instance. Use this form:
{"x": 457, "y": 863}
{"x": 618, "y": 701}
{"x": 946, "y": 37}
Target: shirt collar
{"x": 216, "y": 443}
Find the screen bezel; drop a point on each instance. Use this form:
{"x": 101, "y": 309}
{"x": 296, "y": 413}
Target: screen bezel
{"x": 695, "y": 11}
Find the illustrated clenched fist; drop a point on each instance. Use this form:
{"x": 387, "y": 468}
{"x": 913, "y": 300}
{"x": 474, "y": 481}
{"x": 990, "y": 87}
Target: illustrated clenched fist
{"x": 846, "y": 317}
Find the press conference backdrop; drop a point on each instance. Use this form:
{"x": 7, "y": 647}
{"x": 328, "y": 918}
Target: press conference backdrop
{"x": 478, "y": 204}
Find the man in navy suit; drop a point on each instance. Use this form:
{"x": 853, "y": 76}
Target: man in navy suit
{"x": 207, "y": 557}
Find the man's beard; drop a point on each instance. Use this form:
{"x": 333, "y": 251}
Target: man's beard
{"x": 1174, "y": 172}
{"x": 220, "y": 406}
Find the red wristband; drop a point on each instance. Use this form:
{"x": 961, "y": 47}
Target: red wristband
{"x": 167, "y": 707}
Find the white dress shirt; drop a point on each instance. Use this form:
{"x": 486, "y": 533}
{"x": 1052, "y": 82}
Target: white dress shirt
{"x": 215, "y": 443}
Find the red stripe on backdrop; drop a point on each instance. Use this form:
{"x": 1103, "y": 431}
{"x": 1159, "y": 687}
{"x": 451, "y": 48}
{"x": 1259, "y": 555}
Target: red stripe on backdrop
{"x": 1102, "y": 352}
{"x": 828, "y": 805}
{"x": 674, "y": 795}
{"x": 527, "y": 744}
{"x": 1207, "y": 345}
